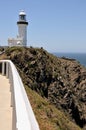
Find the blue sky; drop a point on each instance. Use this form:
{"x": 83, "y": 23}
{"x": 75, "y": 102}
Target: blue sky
{"x": 55, "y": 25}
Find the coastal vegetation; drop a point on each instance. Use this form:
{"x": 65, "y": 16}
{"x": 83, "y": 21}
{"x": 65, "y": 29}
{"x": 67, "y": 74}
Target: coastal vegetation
{"x": 56, "y": 87}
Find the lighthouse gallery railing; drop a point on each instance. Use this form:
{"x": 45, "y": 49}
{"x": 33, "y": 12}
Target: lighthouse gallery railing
{"x": 23, "y": 116}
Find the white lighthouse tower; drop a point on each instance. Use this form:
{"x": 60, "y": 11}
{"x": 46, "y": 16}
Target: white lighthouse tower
{"x": 21, "y": 39}
{"x": 22, "y": 27}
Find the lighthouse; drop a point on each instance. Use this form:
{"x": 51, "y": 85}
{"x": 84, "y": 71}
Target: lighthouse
{"x": 22, "y": 27}
{"x": 21, "y": 39}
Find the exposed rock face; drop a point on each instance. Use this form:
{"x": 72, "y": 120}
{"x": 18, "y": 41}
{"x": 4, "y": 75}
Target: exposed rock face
{"x": 69, "y": 91}
{"x": 62, "y": 81}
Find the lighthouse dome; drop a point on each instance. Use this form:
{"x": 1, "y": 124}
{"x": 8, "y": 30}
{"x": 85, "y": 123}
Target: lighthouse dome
{"x": 22, "y": 12}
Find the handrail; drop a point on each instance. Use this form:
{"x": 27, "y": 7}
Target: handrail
{"x": 23, "y": 116}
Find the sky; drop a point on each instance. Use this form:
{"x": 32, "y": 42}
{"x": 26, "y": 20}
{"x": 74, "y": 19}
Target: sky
{"x": 55, "y": 25}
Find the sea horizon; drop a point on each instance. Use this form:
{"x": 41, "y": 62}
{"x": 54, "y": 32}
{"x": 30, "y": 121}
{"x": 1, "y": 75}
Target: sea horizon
{"x": 80, "y": 57}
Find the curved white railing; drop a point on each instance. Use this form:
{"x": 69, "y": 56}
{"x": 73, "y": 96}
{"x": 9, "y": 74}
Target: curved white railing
{"x": 23, "y": 116}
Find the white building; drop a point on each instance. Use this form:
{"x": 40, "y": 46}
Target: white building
{"x": 21, "y": 39}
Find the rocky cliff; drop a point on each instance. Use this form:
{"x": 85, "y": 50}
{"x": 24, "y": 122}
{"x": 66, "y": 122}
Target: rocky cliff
{"x": 61, "y": 81}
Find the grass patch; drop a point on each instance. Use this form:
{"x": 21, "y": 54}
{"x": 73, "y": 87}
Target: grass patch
{"x": 49, "y": 118}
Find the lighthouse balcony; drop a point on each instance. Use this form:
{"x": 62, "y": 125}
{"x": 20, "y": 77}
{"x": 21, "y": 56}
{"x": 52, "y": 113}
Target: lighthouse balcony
{"x": 22, "y": 22}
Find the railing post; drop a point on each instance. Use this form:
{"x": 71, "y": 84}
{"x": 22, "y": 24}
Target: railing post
{"x": 7, "y": 69}
{"x": 0, "y": 67}
{"x": 3, "y": 68}
{"x": 11, "y": 85}
{"x": 14, "y": 120}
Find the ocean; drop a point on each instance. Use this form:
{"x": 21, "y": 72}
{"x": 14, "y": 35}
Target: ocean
{"x": 81, "y": 57}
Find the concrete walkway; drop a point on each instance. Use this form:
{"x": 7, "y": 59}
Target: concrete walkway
{"x": 5, "y": 104}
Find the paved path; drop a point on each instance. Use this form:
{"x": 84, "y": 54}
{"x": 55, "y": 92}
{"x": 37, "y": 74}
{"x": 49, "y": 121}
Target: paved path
{"x": 5, "y": 104}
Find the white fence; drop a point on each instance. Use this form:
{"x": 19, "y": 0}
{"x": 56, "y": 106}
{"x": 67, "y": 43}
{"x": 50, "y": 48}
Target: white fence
{"x": 23, "y": 116}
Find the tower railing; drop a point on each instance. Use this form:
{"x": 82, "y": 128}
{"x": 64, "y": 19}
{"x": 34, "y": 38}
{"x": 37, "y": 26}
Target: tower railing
{"x": 23, "y": 116}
